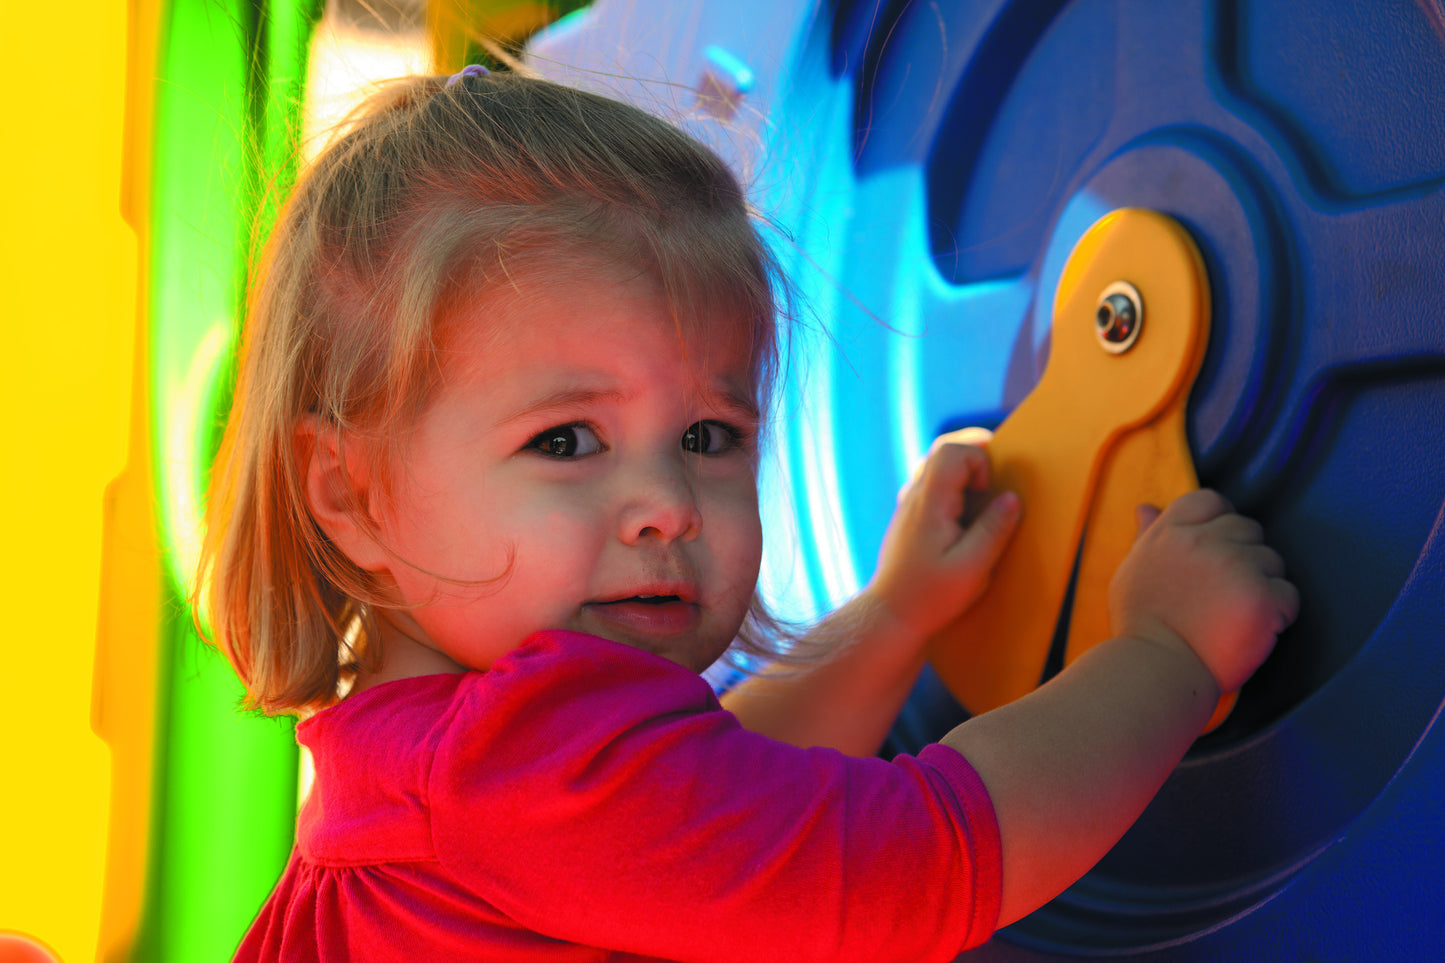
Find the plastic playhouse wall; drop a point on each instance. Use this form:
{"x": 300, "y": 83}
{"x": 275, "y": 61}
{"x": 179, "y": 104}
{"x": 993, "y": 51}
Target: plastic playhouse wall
{"x": 928, "y": 168}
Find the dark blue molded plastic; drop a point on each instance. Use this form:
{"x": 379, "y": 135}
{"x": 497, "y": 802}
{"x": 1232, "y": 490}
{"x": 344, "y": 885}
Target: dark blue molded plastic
{"x": 1303, "y": 145}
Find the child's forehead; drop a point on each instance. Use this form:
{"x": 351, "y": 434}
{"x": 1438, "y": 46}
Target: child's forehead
{"x": 585, "y": 303}
{"x": 535, "y": 319}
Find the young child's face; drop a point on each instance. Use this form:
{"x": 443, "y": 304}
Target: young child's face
{"x": 600, "y": 464}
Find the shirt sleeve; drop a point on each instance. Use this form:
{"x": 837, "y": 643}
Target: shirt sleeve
{"x": 599, "y": 794}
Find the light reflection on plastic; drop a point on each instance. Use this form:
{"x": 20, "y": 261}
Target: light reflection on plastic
{"x": 907, "y": 314}
{"x": 818, "y": 559}
{"x": 187, "y": 441}
{"x": 1082, "y": 210}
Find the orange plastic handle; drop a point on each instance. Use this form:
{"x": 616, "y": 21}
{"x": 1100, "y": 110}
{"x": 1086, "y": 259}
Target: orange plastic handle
{"x": 1100, "y": 434}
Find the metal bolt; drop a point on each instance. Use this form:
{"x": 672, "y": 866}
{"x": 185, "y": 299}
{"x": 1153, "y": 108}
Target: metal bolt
{"x": 1119, "y": 317}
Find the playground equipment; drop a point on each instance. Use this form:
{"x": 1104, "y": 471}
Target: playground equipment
{"x": 936, "y": 172}
{"x": 932, "y": 167}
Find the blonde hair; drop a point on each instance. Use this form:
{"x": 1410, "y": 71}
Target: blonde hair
{"x": 431, "y": 188}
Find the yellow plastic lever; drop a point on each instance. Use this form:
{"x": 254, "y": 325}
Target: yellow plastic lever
{"x": 1102, "y": 432}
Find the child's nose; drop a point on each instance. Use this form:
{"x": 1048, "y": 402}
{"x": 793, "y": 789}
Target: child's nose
{"x": 660, "y": 503}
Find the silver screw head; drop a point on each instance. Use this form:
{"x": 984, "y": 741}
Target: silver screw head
{"x": 1119, "y": 317}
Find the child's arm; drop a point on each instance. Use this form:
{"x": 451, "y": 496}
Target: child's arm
{"x": 1196, "y": 607}
{"x": 929, "y": 570}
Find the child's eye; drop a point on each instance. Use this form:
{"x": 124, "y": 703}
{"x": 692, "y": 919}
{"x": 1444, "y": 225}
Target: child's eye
{"x": 566, "y": 441}
{"x": 709, "y": 438}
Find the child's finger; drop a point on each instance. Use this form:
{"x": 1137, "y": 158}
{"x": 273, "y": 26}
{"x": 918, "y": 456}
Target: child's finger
{"x": 1270, "y": 562}
{"x": 1287, "y": 602}
{"x": 1199, "y": 506}
{"x": 952, "y": 470}
{"x": 962, "y": 463}
{"x": 984, "y": 540}
{"x": 1144, "y": 516}
{"x": 977, "y": 437}
{"x": 1240, "y": 529}
{"x": 972, "y": 443}
{"x": 943, "y": 456}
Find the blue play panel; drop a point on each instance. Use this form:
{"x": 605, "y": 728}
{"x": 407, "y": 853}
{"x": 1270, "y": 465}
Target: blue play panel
{"x": 930, "y": 166}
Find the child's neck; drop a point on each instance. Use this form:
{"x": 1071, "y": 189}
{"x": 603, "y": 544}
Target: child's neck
{"x": 403, "y": 656}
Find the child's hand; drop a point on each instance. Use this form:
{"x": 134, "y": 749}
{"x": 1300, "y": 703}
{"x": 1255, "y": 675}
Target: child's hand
{"x": 932, "y": 566}
{"x": 1200, "y": 574}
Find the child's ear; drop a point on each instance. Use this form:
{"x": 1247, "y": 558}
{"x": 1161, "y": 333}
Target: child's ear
{"x": 337, "y": 479}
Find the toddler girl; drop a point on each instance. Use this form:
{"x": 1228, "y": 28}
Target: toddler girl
{"x": 486, "y": 506}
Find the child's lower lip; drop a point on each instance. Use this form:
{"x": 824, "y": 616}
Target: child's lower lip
{"x": 653, "y": 618}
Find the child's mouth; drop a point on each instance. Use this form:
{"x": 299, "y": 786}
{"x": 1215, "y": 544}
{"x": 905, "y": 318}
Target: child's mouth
{"x": 648, "y": 614}
{"x": 648, "y": 599}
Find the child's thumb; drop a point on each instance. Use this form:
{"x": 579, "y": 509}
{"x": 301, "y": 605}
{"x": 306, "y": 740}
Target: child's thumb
{"x": 1144, "y": 516}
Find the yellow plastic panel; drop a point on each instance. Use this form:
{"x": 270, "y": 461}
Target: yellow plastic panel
{"x": 462, "y": 30}
{"x": 69, "y": 263}
{"x": 1100, "y": 434}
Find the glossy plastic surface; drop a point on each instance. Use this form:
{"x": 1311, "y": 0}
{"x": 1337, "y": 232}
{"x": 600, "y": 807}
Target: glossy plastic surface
{"x": 1299, "y": 149}
{"x": 932, "y": 165}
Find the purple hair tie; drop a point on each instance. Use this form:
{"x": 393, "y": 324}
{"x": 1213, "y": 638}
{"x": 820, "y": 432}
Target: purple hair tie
{"x": 470, "y": 70}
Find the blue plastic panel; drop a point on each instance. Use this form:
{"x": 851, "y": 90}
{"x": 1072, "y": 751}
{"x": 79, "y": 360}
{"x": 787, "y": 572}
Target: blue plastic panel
{"x": 1303, "y": 149}
{"x": 932, "y": 165}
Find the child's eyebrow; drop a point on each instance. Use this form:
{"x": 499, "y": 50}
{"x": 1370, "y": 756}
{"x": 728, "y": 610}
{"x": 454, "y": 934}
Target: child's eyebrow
{"x": 565, "y": 400}
{"x": 736, "y": 404}
{"x": 728, "y": 400}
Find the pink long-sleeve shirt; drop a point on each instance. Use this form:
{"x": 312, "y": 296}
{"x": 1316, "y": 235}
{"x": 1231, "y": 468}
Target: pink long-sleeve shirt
{"x": 584, "y": 800}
